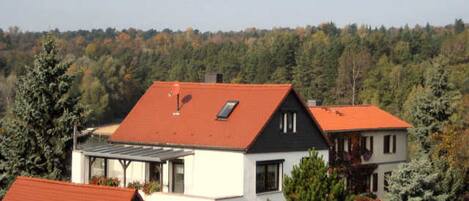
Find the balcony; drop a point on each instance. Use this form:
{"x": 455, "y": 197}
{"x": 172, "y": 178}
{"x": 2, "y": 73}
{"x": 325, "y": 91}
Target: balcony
{"x": 350, "y": 149}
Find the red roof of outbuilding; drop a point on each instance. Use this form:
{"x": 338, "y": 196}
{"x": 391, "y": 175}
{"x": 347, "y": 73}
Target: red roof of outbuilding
{"x": 355, "y": 118}
{"x": 34, "y": 189}
{"x": 151, "y": 121}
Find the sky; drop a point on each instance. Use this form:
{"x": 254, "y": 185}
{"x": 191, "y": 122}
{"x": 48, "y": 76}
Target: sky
{"x": 224, "y": 15}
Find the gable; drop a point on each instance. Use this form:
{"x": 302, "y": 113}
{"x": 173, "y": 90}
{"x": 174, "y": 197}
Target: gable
{"x": 307, "y": 136}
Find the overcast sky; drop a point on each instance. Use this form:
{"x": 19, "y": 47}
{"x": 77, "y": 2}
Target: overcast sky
{"x": 225, "y": 15}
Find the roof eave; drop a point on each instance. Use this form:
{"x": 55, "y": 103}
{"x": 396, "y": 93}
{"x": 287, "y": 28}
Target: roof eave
{"x": 365, "y": 129}
{"x": 186, "y": 146}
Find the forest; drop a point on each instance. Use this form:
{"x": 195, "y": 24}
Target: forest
{"x": 52, "y": 80}
{"x": 354, "y": 64}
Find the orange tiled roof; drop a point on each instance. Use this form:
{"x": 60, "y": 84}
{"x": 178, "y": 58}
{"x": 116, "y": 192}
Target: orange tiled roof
{"x": 151, "y": 121}
{"x": 34, "y": 189}
{"x": 355, "y": 118}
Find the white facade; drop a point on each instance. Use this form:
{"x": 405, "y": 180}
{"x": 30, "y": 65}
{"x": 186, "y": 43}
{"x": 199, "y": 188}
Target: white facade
{"x": 386, "y": 162}
{"x": 291, "y": 159}
{"x": 208, "y": 175}
{"x": 378, "y": 147}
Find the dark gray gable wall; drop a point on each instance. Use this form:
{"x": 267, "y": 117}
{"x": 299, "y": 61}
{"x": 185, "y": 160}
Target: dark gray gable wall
{"x": 308, "y": 135}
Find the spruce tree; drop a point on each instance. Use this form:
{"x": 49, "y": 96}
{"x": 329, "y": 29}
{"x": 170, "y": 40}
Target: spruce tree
{"x": 310, "y": 181}
{"x": 434, "y": 107}
{"x": 425, "y": 180}
{"x": 37, "y": 133}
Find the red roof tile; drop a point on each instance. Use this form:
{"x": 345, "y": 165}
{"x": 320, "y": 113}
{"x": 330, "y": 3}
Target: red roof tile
{"x": 151, "y": 121}
{"x": 354, "y": 118}
{"x": 34, "y": 189}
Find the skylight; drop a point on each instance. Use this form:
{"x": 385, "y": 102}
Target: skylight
{"x": 227, "y": 109}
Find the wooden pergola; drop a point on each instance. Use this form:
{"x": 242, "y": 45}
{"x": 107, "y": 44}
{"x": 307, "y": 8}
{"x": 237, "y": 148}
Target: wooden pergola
{"x": 125, "y": 154}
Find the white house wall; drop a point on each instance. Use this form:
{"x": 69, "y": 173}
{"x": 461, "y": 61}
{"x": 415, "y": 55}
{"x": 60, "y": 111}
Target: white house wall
{"x": 378, "y": 147}
{"x": 389, "y": 161}
{"x": 382, "y": 168}
{"x": 212, "y": 173}
{"x": 135, "y": 172}
{"x": 172, "y": 197}
{"x": 208, "y": 174}
{"x": 291, "y": 159}
{"x": 79, "y": 167}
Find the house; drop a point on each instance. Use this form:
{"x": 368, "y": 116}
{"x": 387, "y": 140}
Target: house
{"x": 34, "y": 189}
{"x": 367, "y": 143}
{"x": 207, "y": 141}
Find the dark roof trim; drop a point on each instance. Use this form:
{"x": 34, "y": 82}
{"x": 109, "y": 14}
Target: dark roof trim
{"x": 270, "y": 162}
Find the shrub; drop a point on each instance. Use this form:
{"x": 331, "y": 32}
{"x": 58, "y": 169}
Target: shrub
{"x": 104, "y": 181}
{"x": 151, "y": 187}
{"x": 365, "y": 198}
{"x": 310, "y": 181}
{"x": 135, "y": 185}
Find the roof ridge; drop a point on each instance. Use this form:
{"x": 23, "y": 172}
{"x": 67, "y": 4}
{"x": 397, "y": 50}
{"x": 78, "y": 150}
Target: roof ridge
{"x": 73, "y": 184}
{"x": 226, "y": 84}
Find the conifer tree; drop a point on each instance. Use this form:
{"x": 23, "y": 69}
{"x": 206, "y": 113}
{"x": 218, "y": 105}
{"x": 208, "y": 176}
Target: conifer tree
{"x": 310, "y": 181}
{"x": 37, "y": 133}
{"x": 425, "y": 180}
{"x": 434, "y": 107}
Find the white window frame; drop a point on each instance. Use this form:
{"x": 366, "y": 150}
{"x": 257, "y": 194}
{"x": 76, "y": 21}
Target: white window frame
{"x": 285, "y": 122}
{"x": 285, "y": 127}
{"x": 294, "y": 122}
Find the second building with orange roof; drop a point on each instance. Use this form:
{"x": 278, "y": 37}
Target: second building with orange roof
{"x": 367, "y": 144}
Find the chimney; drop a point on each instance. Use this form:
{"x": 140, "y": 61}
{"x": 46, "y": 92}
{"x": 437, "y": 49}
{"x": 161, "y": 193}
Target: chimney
{"x": 213, "y": 78}
{"x": 313, "y": 102}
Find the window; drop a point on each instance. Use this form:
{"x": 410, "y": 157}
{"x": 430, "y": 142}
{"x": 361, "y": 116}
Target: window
{"x": 348, "y": 144}
{"x": 98, "y": 167}
{"x": 374, "y": 182}
{"x": 227, "y": 109}
{"x": 267, "y": 176}
{"x": 288, "y": 122}
{"x": 343, "y": 144}
{"x": 366, "y": 142}
{"x": 386, "y": 180}
{"x": 389, "y": 144}
{"x": 155, "y": 172}
{"x": 178, "y": 176}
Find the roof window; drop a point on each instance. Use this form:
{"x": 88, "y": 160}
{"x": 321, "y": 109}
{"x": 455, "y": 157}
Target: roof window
{"x": 227, "y": 109}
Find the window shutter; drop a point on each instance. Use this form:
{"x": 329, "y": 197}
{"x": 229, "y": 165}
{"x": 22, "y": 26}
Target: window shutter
{"x": 363, "y": 144}
{"x": 394, "y": 144}
{"x": 371, "y": 144}
{"x": 336, "y": 145}
{"x": 346, "y": 145}
{"x": 375, "y": 182}
{"x": 341, "y": 143}
{"x": 349, "y": 144}
{"x": 386, "y": 144}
